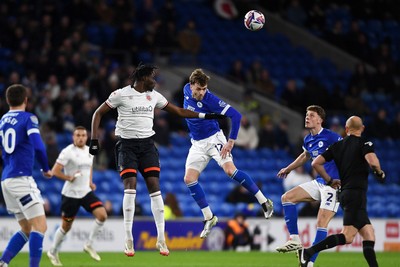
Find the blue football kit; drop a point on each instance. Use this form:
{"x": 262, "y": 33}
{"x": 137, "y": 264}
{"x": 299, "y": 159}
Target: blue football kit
{"x": 20, "y": 143}
{"x": 317, "y": 144}
{"x": 202, "y": 129}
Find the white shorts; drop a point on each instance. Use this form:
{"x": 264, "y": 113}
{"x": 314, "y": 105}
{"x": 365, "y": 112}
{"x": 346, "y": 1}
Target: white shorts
{"x": 20, "y": 195}
{"x": 201, "y": 152}
{"x": 326, "y": 194}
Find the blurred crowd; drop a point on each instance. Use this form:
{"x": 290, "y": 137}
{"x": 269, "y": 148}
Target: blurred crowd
{"x": 50, "y": 48}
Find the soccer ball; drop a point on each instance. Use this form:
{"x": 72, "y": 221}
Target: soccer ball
{"x": 254, "y": 20}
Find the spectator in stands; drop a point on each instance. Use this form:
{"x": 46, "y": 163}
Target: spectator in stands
{"x": 282, "y": 136}
{"x": 384, "y": 79}
{"x": 316, "y": 18}
{"x": 247, "y": 137}
{"x": 337, "y": 127}
{"x": 265, "y": 85}
{"x": 254, "y": 72}
{"x": 237, "y": 234}
{"x": 209, "y": 142}
{"x": 251, "y": 107}
{"x": 125, "y": 40}
{"x": 171, "y": 207}
{"x": 267, "y": 134}
{"x": 190, "y": 41}
{"x": 237, "y": 73}
{"x": 44, "y": 111}
{"x": 74, "y": 165}
{"x": 353, "y": 101}
{"x": 336, "y": 36}
{"x": 161, "y": 127}
{"x": 360, "y": 78}
{"x": 292, "y": 97}
{"x": 379, "y": 127}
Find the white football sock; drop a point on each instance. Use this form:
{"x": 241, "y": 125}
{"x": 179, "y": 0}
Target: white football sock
{"x": 95, "y": 230}
{"x": 260, "y": 197}
{"x": 207, "y": 213}
{"x": 58, "y": 239}
{"x": 157, "y": 208}
{"x": 128, "y": 206}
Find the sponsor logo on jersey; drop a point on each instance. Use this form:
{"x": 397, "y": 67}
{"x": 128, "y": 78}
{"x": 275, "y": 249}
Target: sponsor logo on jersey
{"x": 142, "y": 109}
{"x": 191, "y": 108}
{"x": 199, "y": 104}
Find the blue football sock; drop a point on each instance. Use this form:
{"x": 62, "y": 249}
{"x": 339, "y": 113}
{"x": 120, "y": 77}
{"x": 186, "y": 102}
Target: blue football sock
{"x": 290, "y": 211}
{"x": 196, "y": 191}
{"x": 35, "y": 248}
{"x": 319, "y": 236}
{"x": 245, "y": 180}
{"x": 15, "y": 244}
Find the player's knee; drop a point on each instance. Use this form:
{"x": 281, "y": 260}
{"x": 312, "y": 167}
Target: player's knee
{"x": 286, "y": 197}
{"x": 102, "y": 217}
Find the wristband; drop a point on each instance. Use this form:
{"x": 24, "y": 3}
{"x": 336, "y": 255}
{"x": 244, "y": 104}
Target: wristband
{"x": 202, "y": 115}
{"x": 329, "y": 182}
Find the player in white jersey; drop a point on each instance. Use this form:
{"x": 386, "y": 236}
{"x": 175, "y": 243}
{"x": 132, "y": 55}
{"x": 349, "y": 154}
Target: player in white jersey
{"x": 74, "y": 166}
{"x": 135, "y": 149}
{"x": 20, "y": 145}
{"x": 208, "y": 142}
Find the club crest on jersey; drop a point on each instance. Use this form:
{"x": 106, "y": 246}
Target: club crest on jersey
{"x": 320, "y": 144}
{"x": 148, "y": 97}
{"x": 199, "y": 104}
{"x": 221, "y": 103}
{"x": 34, "y": 120}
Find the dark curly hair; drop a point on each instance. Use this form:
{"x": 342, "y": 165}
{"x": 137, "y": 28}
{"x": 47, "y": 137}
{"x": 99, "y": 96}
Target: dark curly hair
{"x": 141, "y": 71}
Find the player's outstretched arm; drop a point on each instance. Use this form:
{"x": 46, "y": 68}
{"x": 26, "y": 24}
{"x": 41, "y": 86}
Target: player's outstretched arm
{"x": 185, "y": 113}
{"x": 94, "y": 146}
{"x": 40, "y": 154}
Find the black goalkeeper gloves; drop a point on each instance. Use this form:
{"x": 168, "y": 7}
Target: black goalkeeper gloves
{"x": 211, "y": 116}
{"x": 94, "y": 147}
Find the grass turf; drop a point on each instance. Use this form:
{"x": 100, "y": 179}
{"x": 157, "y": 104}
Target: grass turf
{"x": 209, "y": 259}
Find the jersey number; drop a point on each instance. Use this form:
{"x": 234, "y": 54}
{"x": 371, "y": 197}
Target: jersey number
{"x": 219, "y": 147}
{"x": 329, "y": 199}
{"x": 8, "y": 140}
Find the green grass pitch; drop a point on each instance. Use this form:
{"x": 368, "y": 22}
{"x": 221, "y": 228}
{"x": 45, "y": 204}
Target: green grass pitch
{"x": 210, "y": 259}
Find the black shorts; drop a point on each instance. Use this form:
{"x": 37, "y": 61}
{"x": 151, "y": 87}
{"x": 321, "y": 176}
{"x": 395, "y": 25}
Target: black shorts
{"x": 354, "y": 205}
{"x": 70, "y": 206}
{"x": 134, "y": 155}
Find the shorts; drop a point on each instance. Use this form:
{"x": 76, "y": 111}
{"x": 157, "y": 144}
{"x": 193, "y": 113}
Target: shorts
{"x": 134, "y": 155}
{"x": 323, "y": 193}
{"x": 70, "y": 206}
{"x": 354, "y": 205}
{"x": 20, "y": 195}
{"x": 201, "y": 152}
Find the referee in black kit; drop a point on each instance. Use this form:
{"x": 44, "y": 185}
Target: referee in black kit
{"x": 352, "y": 156}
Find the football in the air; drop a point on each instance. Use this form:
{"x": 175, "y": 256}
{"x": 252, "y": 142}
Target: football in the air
{"x": 254, "y": 20}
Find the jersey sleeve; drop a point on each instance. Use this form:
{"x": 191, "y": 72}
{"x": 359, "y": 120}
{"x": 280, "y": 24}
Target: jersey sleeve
{"x": 114, "y": 100}
{"x": 367, "y": 147}
{"x": 328, "y": 154}
{"x": 162, "y": 102}
{"x": 63, "y": 157}
{"x": 35, "y": 138}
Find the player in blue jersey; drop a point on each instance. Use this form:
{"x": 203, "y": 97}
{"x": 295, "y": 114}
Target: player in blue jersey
{"x": 315, "y": 143}
{"x": 209, "y": 142}
{"x": 20, "y": 144}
